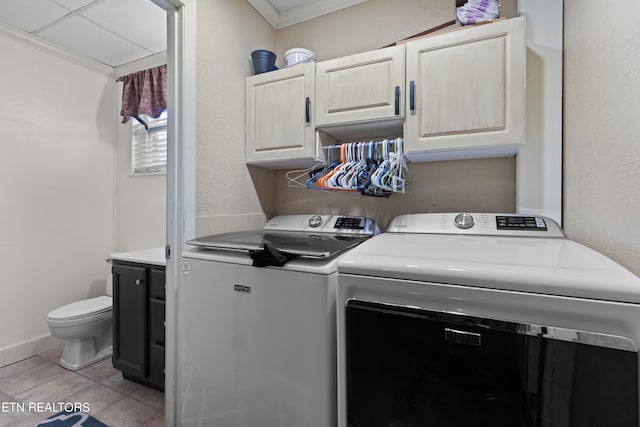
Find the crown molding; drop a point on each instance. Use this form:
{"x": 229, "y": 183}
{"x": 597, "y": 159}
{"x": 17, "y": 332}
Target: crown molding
{"x": 50, "y": 48}
{"x": 171, "y": 4}
{"x": 301, "y": 13}
{"x": 268, "y": 12}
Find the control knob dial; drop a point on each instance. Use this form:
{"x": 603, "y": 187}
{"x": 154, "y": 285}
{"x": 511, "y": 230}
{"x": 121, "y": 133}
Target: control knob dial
{"x": 315, "y": 221}
{"x": 464, "y": 221}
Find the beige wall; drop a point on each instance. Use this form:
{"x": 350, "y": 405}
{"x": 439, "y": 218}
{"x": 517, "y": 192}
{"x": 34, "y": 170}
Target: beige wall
{"x": 601, "y": 128}
{"x": 231, "y": 197}
{"x": 56, "y": 182}
{"x": 140, "y": 199}
{"x": 484, "y": 185}
{"x": 366, "y": 26}
{"x": 226, "y": 196}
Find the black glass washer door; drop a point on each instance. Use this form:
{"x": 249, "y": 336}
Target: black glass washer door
{"x": 410, "y": 368}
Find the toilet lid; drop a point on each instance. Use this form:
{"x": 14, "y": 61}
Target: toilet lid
{"x": 82, "y": 308}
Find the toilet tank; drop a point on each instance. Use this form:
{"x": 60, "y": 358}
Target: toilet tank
{"x": 109, "y": 278}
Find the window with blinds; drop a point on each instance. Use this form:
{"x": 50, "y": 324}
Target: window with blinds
{"x": 149, "y": 147}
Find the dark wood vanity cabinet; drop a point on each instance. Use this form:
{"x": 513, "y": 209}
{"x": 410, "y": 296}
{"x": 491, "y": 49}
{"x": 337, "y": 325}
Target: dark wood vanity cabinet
{"x": 139, "y": 322}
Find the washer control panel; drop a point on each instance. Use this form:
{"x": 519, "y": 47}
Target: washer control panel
{"x": 476, "y": 224}
{"x": 531, "y": 223}
{"x": 350, "y": 223}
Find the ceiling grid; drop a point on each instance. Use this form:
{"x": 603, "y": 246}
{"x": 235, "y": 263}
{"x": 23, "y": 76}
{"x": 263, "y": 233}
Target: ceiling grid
{"x": 118, "y": 32}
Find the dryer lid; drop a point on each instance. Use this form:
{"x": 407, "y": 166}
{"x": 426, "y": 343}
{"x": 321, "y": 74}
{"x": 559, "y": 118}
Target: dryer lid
{"x": 83, "y": 308}
{"x": 309, "y": 236}
{"x": 321, "y": 245}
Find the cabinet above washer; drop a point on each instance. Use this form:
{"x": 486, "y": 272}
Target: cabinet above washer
{"x": 466, "y": 93}
{"x": 362, "y": 88}
{"x": 459, "y": 94}
{"x": 280, "y": 130}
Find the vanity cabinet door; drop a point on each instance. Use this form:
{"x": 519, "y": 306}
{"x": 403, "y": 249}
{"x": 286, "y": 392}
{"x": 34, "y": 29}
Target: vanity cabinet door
{"x": 280, "y": 128}
{"x": 466, "y": 92}
{"x": 130, "y": 319}
{"x": 359, "y": 88}
{"x": 139, "y": 322}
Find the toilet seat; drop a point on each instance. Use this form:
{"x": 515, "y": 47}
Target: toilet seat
{"x": 81, "y": 309}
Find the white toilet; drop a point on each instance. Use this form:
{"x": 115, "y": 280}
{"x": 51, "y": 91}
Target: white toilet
{"x": 86, "y": 329}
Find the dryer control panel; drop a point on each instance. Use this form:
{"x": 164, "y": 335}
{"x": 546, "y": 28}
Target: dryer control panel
{"x": 331, "y": 224}
{"x": 521, "y": 223}
{"x": 476, "y": 224}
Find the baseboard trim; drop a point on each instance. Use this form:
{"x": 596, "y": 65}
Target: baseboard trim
{"x": 26, "y": 349}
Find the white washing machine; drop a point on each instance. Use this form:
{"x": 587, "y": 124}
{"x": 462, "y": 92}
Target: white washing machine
{"x": 485, "y": 320}
{"x": 257, "y": 344}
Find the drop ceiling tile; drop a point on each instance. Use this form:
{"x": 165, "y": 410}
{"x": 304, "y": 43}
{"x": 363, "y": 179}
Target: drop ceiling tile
{"x": 144, "y": 23}
{"x": 82, "y": 36}
{"x": 73, "y": 4}
{"x": 29, "y": 15}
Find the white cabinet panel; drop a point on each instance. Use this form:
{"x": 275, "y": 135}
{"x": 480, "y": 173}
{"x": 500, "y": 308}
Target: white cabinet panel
{"x": 468, "y": 92}
{"x": 475, "y": 102}
{"x": 362, "y": 87}
{"x": 279, "y": 118}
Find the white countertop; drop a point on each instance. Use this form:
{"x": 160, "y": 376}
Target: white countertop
{"x": 153, "y": 256}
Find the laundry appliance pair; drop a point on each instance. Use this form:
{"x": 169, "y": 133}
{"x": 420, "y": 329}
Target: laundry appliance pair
{"x": 443, "y": 320}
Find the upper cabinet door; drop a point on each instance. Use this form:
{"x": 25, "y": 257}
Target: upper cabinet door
{"x": 359, "y": 88}
{"x": 280, "y": 129}
{"x": 466, "y": 92}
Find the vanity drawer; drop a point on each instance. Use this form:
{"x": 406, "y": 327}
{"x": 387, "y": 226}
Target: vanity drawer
{"x": 157, "y": 288}
{"x": 156, "y": 365}
{"x": 156, "y": 321}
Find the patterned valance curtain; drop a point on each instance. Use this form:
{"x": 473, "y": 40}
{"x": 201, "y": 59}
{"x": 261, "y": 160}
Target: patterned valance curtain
{"x": 144, "y": 92}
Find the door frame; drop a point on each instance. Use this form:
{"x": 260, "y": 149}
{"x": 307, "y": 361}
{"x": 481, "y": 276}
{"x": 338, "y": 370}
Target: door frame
{"x": 181, "y": 128}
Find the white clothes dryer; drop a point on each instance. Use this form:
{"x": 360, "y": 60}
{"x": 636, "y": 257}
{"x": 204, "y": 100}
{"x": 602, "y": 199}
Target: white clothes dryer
{"x": 257, "y": 345}
{"x": 485, "y": 320}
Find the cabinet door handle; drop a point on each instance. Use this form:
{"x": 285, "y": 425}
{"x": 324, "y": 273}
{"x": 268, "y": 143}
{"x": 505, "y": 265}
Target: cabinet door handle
{"x": 307, "y": 110}
{"x": 397, "y": 109}
{"x": 138, "y": 281}
{"x": 412, "y": 95}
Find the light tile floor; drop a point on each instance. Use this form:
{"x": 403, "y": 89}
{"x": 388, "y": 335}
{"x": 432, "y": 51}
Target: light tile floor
{"x": 40, "y": 380}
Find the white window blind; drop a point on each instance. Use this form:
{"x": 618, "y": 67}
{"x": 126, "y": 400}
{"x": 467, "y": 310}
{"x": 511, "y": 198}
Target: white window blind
{"x": 149, "y": 147}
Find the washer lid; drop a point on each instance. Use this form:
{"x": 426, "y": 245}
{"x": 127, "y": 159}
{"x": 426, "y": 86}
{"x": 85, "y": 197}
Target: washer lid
{"x": 549, "y": 266}
{"x": 83, "y": 308}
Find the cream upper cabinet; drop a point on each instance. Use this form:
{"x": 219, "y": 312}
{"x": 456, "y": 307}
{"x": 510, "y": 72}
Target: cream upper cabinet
{"x": 280, "y": 130}
{"x": 361, "y": 88}
{"x": 466, "y": 92}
